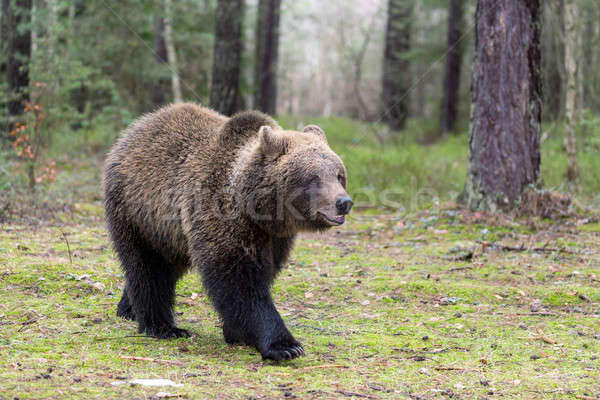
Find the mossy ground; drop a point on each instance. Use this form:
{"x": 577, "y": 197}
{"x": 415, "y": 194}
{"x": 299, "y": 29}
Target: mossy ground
{"x": 387, "y": 307}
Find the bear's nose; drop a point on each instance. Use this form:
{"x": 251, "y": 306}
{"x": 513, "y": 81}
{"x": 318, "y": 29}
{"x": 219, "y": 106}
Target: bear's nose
{"x": 344, "y": 204}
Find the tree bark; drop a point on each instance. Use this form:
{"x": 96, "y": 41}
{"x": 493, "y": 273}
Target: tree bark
{"x": 571, "y": 47}
{"x": 158, "y": 90}
{"x": 16, "y": 45}
{"x": 396, "y": 70}
{"x": 267, "y": 48}
{"x": 171, "y": 55}
{"x": 453, "y": 64}
{"x": 224, "y": 91}
{"x": 506, "y": 112}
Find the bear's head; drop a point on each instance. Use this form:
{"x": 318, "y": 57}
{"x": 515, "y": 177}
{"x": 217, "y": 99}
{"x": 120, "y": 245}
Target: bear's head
{"x": 303, "y": 180}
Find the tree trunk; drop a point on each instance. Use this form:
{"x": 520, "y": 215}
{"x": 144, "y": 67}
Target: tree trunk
{"x": 16, "y": 44}
{"x": 453, "y": 63}
{"x": 157, "y": 93}
{"x": 553, "y": 57}
{"x": 571, "y": 46}
{"x": 396, "y": 70}
{"x": 506, "y": 111}
{"x": 171, "y": 55}
{"x": 224, "y": 91}
{"x": 267, "y": 47}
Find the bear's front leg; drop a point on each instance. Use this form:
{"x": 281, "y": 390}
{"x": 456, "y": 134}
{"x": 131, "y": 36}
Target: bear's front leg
{"x": 241, "y": 296}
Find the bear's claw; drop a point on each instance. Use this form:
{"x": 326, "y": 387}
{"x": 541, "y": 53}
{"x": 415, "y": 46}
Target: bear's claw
{"x": 280, "y": 353}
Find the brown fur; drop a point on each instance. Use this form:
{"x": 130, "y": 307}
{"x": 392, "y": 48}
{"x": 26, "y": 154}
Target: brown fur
{"x": 186, "y": 186}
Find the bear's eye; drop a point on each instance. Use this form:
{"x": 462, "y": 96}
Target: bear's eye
{"x": 341, "y": 179}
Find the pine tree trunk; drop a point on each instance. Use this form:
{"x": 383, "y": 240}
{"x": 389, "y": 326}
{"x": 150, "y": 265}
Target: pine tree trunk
{"x": 16, "y": 45}
{"x": 453, "y": 64}
{"x": 267, "y": 47}
{"x": 157, "y": 92}
{"x": 506, "y": 111}
{"x": 171, "y": 55}
{"x": 571, "y": 46}
{"x": 224, "y": 92}
{"x": 396, "y": 70}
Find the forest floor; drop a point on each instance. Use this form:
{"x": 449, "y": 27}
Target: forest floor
{"x": 437, "y": 304}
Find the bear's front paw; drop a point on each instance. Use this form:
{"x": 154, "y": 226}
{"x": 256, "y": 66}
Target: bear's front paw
{"x": 283, "y": 350}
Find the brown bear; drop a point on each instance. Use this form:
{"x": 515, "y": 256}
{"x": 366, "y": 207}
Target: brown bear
{"x": 187, "y": 187}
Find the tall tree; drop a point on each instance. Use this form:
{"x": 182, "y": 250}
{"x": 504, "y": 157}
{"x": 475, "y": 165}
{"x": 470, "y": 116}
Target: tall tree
{"x": 267, "y": 48}
{"x": 224, "y": 92}
{"x": 571, "y": 68}
{"x": 159, "y": 88}
{"x": 171, "y": 55}
{"x": 16, "y": 43}
{"x": 396, "y": 69}
{"x": 553, "y": 50}
{"x": 453, "y": 63}
{"x": 506, "y": 117}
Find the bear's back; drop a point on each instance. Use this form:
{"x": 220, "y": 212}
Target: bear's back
{"x": 144, "y": 169}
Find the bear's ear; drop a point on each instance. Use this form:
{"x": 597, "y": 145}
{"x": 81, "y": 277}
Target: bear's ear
{"x": 271, "y": 142}
{"x": 315, "y": 130}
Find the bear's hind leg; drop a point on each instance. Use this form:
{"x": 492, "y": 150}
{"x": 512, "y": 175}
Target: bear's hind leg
{"x": 151, "y": 292}
{"x": 150, "y": 284}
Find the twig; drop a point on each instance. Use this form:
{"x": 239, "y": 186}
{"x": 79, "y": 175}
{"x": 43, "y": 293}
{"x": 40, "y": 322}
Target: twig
{"x": 29, "y": 322}
{"x": 450, "y": 369}
{"x": 583, "y": 397}
{"x": 523, "y": 248}
{"x": 541, "y": 314}
{"x": 123, "y": 337}
{"x": 311, "y": 367}
{"x": 156, "y": 360}
{"x": 324, "y": 366}
{"x": 64, "y": 235}
{"x": 460, "y": 268}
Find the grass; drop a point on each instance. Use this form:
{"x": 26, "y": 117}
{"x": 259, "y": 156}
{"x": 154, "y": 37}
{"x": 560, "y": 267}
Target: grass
{"x": 387, "y": 307}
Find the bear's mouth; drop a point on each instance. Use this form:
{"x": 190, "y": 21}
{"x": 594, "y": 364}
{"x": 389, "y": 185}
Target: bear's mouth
{"x": 335, "y": 220}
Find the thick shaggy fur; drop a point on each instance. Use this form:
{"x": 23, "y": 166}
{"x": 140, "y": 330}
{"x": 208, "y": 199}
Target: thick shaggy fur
{"x": 187, "y": 187}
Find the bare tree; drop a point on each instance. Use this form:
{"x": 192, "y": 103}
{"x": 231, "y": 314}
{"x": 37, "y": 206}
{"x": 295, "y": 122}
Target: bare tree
{"x": 160, "y": 55}
{"x": 224, "y": 92}
{"x": 16, "y": 43}
{"x": 453, "y": 63}
{"x": 506, "y": 117}
{"x": 171, "y": 55}
{"x": 571, "y": 14}
{"x": 267, "y": 47}
{"x": 396, "y": 70}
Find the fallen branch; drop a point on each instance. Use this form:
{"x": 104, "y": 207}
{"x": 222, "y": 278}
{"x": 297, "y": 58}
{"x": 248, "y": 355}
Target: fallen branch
{"x": 156, "y": 360}
{"x": 450, "y": 369}
{"x": 323, "y": 366}
{"x": 521, "y": 248}
{"x": 460, "y": 268}
{"x": 540, "y": 314}
{"x": 123, "y": 337}
{"x": 583, "y": 397}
